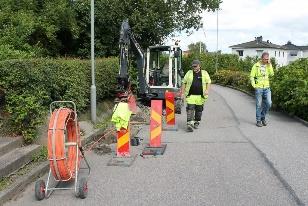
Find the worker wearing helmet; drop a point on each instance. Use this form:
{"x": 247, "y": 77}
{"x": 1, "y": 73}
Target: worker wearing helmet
{"x": 195, "y": 88}
{"x": 259, "y": 77}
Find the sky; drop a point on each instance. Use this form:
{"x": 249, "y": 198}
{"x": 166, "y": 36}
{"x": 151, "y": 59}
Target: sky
{"x": 241, "y": 21}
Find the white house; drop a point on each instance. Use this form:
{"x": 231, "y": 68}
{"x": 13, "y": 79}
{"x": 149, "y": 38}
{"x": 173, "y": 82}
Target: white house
{"x": 283, "y": 54}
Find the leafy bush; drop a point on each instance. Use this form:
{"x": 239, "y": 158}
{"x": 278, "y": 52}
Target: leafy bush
{"x": 290, "y": 88}
{"x": 224, "y": 61}
{"x": 238, "y": 79}
{"x": 207, "y": 60}
{"x": 8, "y": 52}
{"x": 31, "y": 85}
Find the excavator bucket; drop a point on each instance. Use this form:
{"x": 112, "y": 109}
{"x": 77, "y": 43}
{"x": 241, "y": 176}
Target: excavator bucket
{"x": 131, "y": 100}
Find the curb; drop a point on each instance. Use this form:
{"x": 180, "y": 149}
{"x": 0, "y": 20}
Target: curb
{"x": 22, "y": 182}
{"x": 301, "y": 120}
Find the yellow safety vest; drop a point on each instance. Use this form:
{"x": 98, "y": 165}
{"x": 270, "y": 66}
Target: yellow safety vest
{"x": 189, "y": 77}
{"x": 259, "y": 78}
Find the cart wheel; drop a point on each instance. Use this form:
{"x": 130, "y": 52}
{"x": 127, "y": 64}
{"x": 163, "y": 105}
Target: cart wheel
{"x": 82, "y": 188}
{"x": 178, "y": 106}
{"x": 40, "y": 189}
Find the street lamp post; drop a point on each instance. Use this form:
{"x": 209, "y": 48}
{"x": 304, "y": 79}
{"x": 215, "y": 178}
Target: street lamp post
{"x": 93, "y": 87}
{"x": 216, "y": 64}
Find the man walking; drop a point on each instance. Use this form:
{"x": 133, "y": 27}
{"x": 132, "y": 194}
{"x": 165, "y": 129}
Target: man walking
{"x": 195, "y": 88}
{"x": 259, "y": 77}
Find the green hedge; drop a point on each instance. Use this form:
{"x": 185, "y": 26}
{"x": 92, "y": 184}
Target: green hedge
{"x": 224, "y": 61}
{"x": 238, "y": 79}
{"x": 289, "y": 86}
{"x": 31, "y": 85}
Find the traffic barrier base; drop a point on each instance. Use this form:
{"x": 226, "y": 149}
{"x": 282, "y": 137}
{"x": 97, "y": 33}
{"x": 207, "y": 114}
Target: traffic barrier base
{"x": 170, "y": 127}
{"x": 153, "y": 151}
{"x": 122, "y": 161}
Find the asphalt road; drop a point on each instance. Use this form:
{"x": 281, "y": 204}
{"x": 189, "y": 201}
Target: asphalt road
{"x": 227, "y": 161}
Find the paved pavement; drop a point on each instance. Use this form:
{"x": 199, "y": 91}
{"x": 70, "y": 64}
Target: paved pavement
{"x": 228, "y": 161}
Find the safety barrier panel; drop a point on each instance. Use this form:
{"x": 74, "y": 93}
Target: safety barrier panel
{"x": 170, "y": 112}
{"x": 170, "y": 108}
{"x": 123, "y": 143}
{"x": 155, "y": 147}
{"x": 156, "y": 123}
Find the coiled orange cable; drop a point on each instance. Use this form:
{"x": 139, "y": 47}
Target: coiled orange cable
{"x": 62, "y": 139}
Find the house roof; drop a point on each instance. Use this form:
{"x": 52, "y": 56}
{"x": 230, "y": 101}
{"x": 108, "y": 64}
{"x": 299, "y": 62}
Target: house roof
{"x": 303, "y": 47}
{"x": 257, "y": 43}
{"x": 290, "y": 46}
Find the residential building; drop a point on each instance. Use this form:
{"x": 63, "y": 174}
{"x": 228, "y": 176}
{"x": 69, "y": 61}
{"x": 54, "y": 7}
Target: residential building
{"x": 284, "y": 54}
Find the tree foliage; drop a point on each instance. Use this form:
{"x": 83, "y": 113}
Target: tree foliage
{"x": 198, "y": 47}
{"x": 39, "y": 27}
{"x": 62, "y": 27}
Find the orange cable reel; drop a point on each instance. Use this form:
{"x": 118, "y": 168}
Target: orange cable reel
{"x": 63, "y": 133}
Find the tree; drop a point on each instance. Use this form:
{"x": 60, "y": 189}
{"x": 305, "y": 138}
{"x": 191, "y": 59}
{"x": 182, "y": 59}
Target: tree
{"x": 40, "y": 27}
{"x": 62, "y": 27}
{"x": 152, "y": 21}
{"x": 197, "y": 48}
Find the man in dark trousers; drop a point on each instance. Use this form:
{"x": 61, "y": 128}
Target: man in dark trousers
{"x": 195, "y": 88}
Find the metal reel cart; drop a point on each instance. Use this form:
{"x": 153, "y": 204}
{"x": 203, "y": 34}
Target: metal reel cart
{"x": 64, "y": 153}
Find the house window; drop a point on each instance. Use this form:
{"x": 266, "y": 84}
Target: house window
{"x": 293, "y": 53}
{"x": 240, "y": 52}
{"x": 259, "y": 53}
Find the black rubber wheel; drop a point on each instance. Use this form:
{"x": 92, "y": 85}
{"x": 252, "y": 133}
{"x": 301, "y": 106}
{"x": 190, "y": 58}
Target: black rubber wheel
{"x": 134, "y": 141}
{"x": 40, "y": 188}
{"x": 178, "y": 107}
{"x": 82, "y": 188}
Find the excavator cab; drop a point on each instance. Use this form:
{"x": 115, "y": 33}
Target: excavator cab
{"x": 164, "y": 72}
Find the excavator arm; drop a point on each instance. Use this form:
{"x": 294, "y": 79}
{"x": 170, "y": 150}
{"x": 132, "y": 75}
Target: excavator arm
{"x": 128, "y": 45}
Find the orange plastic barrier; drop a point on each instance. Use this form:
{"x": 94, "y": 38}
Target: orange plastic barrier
{"x": 63, "y": 139}
{"x": 132, "y": 103}
{"x": 170, "y": 108}
{"x": 123, "y": 143}
{"x": 156, "y": 123}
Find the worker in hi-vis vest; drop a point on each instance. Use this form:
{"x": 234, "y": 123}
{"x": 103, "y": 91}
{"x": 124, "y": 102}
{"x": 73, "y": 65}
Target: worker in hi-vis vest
{"x": 195, "y": 89}
{"x": 259, "y": 77}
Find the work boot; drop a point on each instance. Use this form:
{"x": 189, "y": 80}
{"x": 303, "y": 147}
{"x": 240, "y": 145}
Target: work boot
{"x": 196, "y": 124}
{"x": 190, "y": 127}
{"x": 264, "y": 122}
{"x": 259, "y": 124}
